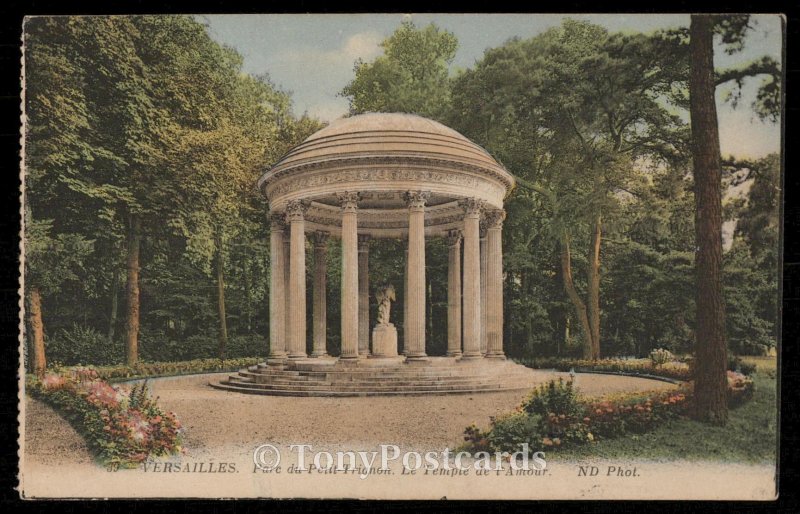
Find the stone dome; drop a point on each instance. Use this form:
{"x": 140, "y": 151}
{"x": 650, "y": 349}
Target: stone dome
{"x": 388, "y": 134}
{"x": 382, "y": 156}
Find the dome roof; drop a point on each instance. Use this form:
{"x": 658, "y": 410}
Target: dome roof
{"x": 388, "y": 135}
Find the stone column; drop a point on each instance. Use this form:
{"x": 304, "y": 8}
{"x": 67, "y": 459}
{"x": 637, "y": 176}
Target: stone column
{"x": 483, "y": 287}
{"x": 454, "y": 294}
{"x": 277, "y": 291}
{"x": 349, "y": 201}
{"x": 295, "y": 216}
{"x": 286, "y": 261}
{"x": 320, "y": 291}
{"x": 472, "y": 278}
{"x": 494, "y": 284}
{"x": 405, "y": 302}
{"x": 363, "y": 295}
{"x": 415, "y": 329}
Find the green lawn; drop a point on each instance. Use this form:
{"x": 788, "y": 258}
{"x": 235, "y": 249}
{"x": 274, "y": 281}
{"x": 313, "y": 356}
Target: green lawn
{"x": 750, "y": 436}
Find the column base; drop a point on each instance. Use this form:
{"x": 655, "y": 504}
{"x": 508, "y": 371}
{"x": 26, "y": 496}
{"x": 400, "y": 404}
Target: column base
{"x": 294, "y": 356}
{"x": 317, "y": 355}
{"x": 471, "y": 355}
{"x": 495, "y": 355}
{"x": 276, "y": 361}
{"x": 416, "y": 357}
{"x": 453, "y": 354}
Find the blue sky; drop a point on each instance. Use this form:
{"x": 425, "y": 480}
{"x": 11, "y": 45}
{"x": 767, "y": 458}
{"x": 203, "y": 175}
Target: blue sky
{"x": 311, "y": 55}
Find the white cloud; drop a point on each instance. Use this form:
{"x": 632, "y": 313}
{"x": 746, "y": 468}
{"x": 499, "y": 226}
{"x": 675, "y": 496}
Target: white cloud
{"x": 316, "y": 75}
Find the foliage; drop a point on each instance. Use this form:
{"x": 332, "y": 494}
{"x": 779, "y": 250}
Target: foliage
{"x": 740, "y": 388}
{"x": 750, "y": 436}
{"x": 513, "y": 430}
{"x": 660, "y": 356}
{"x": 80, "y": 344}
{"x": 554, "y": 416}
{"x": 411, "y": 76}
{"x": 143, "y": 369}
{"x": 122, "y": 427}
{"x": 673, "y": 370}
{"x": 557, "y": 397}
{"x": 149, "y": 116}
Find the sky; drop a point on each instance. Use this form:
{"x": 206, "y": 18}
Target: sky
{"x": 311, "y": 56}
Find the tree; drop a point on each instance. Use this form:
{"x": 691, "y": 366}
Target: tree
{"x": 50, "y": 261}
{"x": 412, "y": 75}
{"x": 711, "y": 345}
{"x": 570, "y": 112}
{"x": 145, "y": 137}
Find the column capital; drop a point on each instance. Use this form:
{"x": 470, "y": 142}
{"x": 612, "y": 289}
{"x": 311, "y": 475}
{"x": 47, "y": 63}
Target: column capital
{"x": 472, "y": 206}
{"x": 454, "y": 237}
{"x": 493, "y": 218}
{"x": 296, "y": 210}
{"x": 416, "y": 199}
{"x": 277, "y": 221}
{"x": 321, "y": 238}
{"x": 363, "y": 242}
{"x": 349, "y": 200}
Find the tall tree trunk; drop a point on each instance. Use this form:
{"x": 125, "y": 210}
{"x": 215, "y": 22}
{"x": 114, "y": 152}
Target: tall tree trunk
{"x": 112, "y": 322}
{"x": 580, "y": 307}
{"x": 710, "y": 386}
{"x": 594, "y": 287}
{"x": 223, "y": 325}
{"x": 132, "y": 291}
{"x": 248, "y": 311}
{"x": 37, "y": 328}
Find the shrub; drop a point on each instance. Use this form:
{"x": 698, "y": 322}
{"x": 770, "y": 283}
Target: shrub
{"x": 512, "y": 430}
{"x": 674, "y": 369}
{"x": 639, "y": 413}
{"x": 246, "y": 346}
{"x": 152, "y": 369}
{"x": 81, "y": 344}
{"x": 734, "y": 362}
{"x": 555, "y": 413}
{"x": 747, "y": 368}
{"x": 660, "y": 356}
{"x": 122, "y": 427}
{"x": 476, "y": 439}
{"x": 556, "y": 396}
{"x": 740, "y": 388}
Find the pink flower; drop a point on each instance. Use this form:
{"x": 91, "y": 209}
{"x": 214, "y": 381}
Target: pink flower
{"x": 53, "y": 382}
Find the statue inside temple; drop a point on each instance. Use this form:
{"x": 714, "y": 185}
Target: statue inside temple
{"x": 385, "y": 297}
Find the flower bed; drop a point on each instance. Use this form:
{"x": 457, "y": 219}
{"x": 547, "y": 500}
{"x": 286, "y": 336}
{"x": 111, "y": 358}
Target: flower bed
{"x": 122, "y": 427}
{"x": 740, "y": 388}
{"x": 674, "y": 370}
{"x": 555, "y": 416}
{"x": 155, "y": 369}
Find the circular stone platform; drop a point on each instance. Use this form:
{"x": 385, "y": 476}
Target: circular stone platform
{"x": 379, "y": 377}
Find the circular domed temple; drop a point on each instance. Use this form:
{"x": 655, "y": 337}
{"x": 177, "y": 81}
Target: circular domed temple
{"x": 395, "y": 176}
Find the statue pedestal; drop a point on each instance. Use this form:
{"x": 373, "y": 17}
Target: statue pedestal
{"x": 384, "y": 341}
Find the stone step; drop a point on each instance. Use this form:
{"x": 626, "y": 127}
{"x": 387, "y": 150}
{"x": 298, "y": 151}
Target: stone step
{"x": 386, "y": 377}
{"x": 377, "y": 388}
{"x": 328, "y": 393}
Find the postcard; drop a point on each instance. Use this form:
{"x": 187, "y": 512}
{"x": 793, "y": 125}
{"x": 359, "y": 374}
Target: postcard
{"x": 385, "y": 256}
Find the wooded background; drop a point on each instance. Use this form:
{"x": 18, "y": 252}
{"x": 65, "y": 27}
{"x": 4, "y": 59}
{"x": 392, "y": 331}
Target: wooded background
{"x": 147, "y": 239}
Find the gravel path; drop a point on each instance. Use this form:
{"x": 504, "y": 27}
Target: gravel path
{"x": 216, "y": 419}
{"x": 50, "y": 437}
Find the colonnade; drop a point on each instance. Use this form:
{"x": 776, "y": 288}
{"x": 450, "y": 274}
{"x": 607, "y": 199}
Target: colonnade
{"x": 475, "y": 287}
